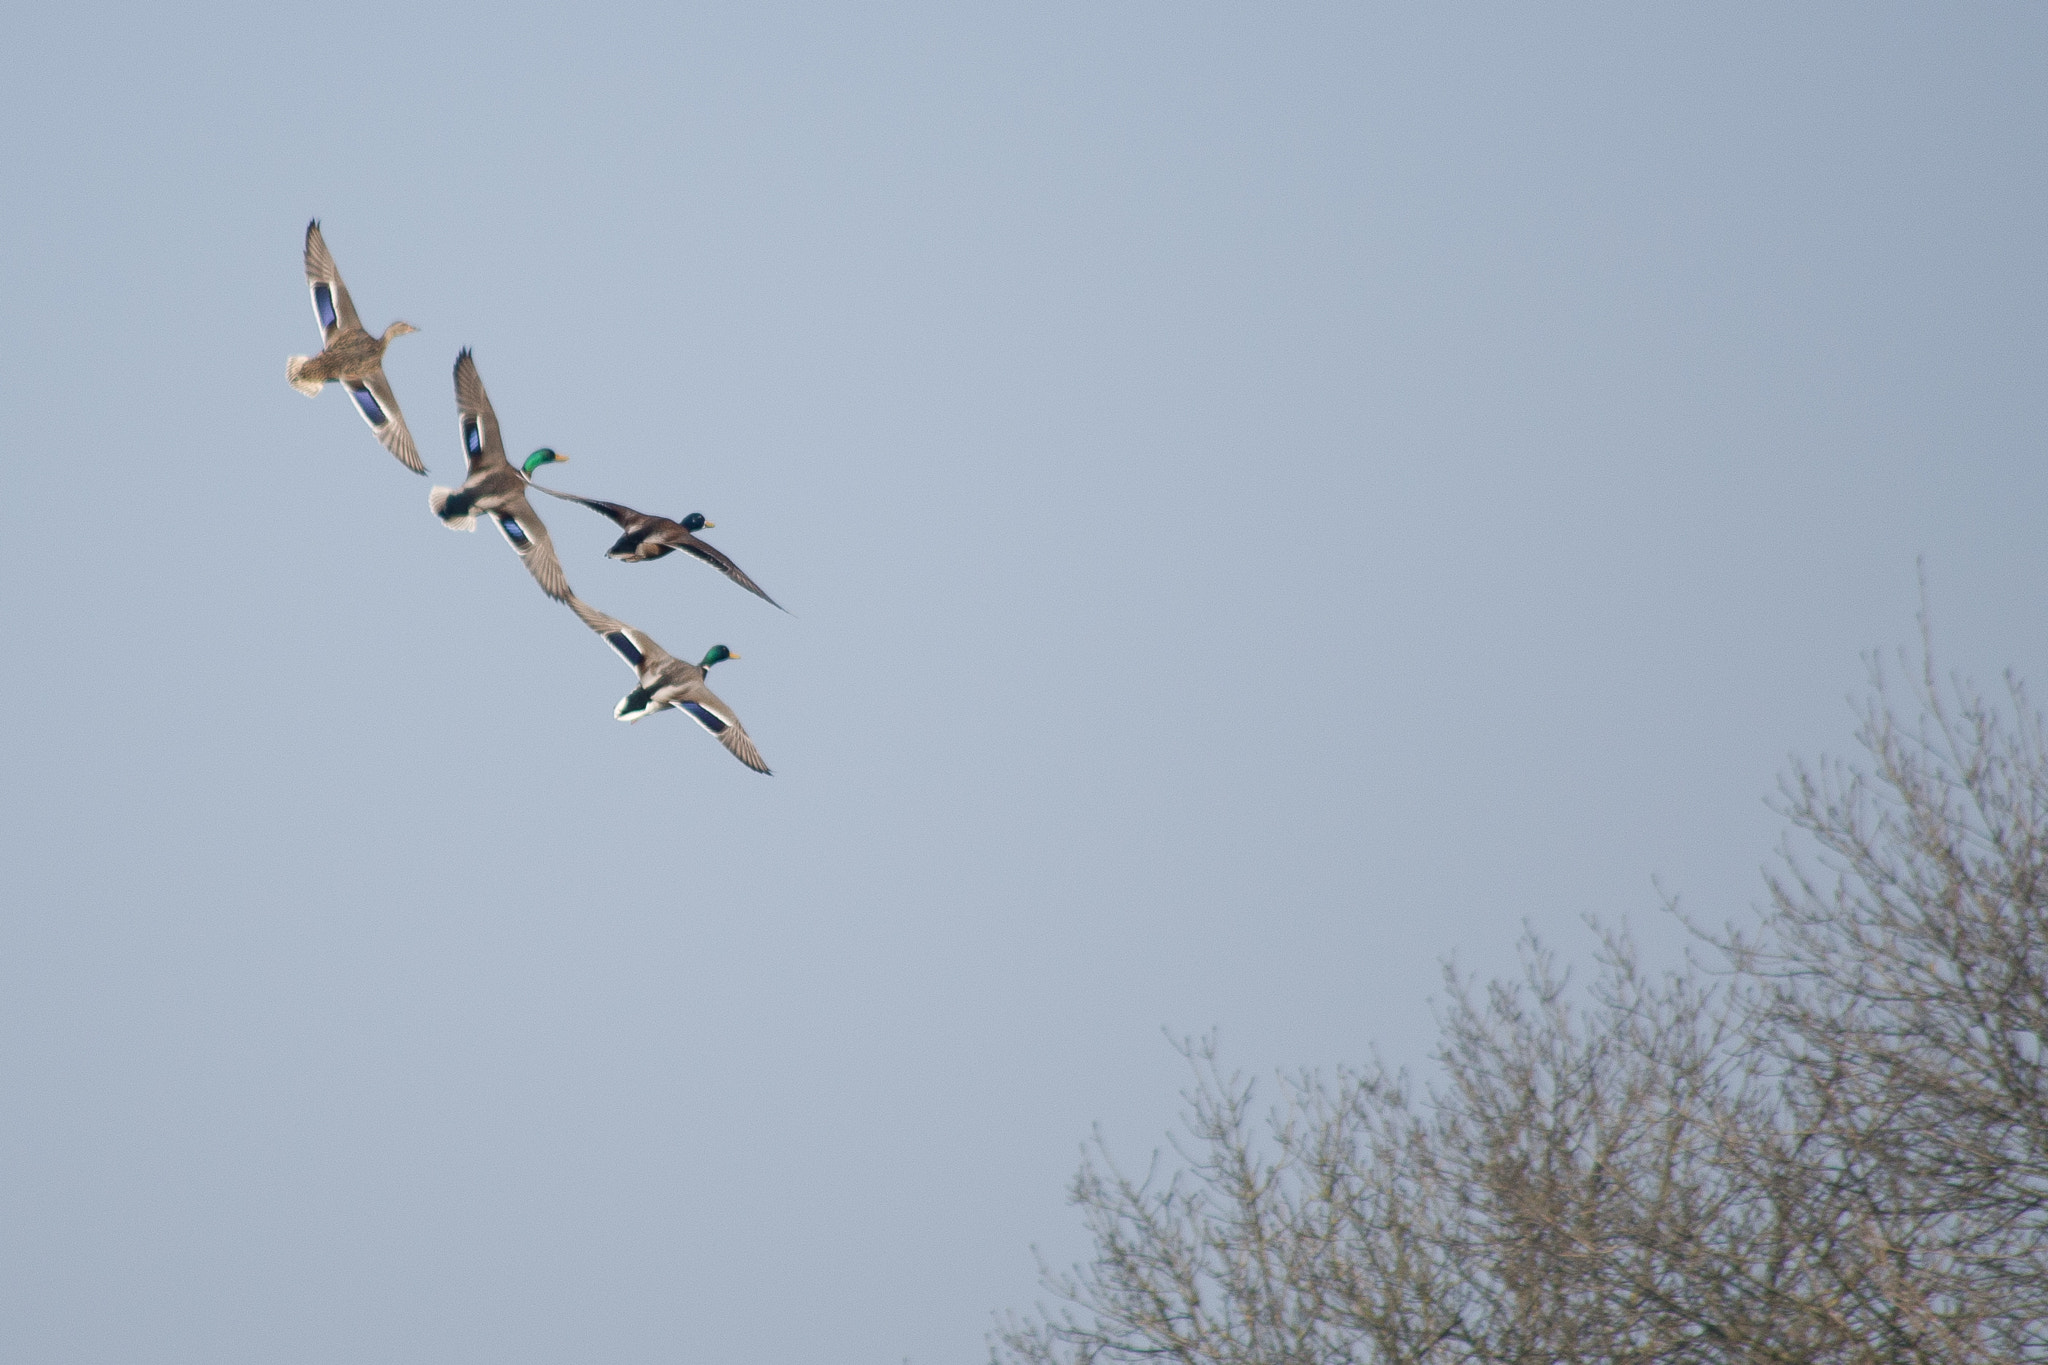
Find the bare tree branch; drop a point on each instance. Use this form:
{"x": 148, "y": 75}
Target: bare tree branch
{"x": 1828, "y": 1145}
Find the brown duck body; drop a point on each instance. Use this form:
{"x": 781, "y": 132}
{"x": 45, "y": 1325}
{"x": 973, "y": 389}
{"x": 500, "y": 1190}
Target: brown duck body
{"x": 350, "y": 356}
{"x": 353, "y": 354}
{"x": 650, "y": 537}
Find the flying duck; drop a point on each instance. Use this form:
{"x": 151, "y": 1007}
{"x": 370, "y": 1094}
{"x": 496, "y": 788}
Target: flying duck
{"x": 649, "y": 537}
{"x": 666, "y": 681}
{"x": 350, "y": 355}
{"x": 494, "y": 487}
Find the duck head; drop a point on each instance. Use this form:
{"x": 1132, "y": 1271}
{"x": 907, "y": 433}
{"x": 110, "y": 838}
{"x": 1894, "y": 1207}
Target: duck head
{"x": 695, "y": 522}
{"x": 718, "y": 655}
{"x": 541, "y": 457}
{"x": 397, "y": 329}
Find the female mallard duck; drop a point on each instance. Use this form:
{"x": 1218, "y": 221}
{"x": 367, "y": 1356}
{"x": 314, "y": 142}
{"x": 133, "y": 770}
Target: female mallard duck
{"x": 350, "y": 355}
{"x": 667, "y": 681}
{"x": 494, "y": 487}
{"x": 650, "y": 537}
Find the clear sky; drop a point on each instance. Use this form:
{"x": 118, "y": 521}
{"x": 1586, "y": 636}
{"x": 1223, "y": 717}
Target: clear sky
{"x": 1271, "y": 497}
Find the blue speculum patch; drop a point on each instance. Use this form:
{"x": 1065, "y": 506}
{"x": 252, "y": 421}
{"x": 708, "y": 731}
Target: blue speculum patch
{"x": 323, "y": 303}
{"x": 627, "y": 651}
{"x": 367, "y": 401}
{"x": 704, "y": 717}
{"x": 472, "y": 439}
{"x": 512, "y": 530}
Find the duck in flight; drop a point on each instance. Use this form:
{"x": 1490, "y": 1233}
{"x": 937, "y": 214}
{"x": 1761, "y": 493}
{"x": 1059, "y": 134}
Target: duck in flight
{"x": 665, "y": 681}
{"x": 647, "y": 537}
{"x": 349, "y": 355}
{"x": 495, "y": 488}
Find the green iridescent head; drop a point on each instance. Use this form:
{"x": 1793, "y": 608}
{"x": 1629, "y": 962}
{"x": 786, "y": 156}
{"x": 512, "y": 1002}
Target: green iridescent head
{"x": 541, "y": 457}
{"x": 718, "y": 655}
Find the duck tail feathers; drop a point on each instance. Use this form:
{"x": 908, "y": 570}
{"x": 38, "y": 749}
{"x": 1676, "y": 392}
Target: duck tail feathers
{"x": 294, "y": 369}
{"x": 452, "y": 508}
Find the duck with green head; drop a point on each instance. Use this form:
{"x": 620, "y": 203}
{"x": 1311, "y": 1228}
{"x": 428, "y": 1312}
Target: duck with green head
{"x": 495, "y": 488}
{"x": 350, "y": 356}
{"x": 648, "y": 537}
{"x": 663, "y": 681}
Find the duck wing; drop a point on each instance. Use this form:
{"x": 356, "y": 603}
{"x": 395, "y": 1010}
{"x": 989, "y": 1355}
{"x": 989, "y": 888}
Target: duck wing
{"x": 480, "y": 440}
{"x": 524, "y": 532}
{"x": 617, "y": 512}
{"x": 379, "y": 407}
{"x": 331, "y": 304}
{"x": 702, "y": 705}
{"x": 717, "y": 559}
{"x": 636, "y": 647}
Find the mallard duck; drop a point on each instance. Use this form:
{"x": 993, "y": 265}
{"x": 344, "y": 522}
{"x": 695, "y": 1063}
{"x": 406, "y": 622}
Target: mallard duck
{"x": 667, "y": 681}
{"x": 650, "y": 537}
{"x": 350, "y": 355}
{"x": 494, "y": 487}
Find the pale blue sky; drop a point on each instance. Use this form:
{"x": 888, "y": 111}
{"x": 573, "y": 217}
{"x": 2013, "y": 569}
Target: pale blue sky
{"x": 1271, "y": 498}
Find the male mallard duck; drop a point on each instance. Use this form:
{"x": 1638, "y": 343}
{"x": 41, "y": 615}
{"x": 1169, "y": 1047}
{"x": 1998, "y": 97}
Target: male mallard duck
{"x": 650, "y": 537}
{"x": 351, "y": 355}
{"x": 494, "y": 487}
{"x": 667, "y": 681}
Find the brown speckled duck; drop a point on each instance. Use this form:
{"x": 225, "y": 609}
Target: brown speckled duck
{"x": 351, "y": 356}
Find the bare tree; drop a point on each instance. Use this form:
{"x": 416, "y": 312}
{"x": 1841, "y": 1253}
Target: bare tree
{"x": 1828, "y": 1145}
{"x": 1903, "y": 985}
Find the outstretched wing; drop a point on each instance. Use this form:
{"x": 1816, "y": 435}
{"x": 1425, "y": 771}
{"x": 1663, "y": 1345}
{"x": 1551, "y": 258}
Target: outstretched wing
{"x": 632, "y": 645}
{"x": 716, "y": 558}
{"x": 480, "y": 439}
{"x": 379, "y": 407}
{"x": 331, "y": 304}
{"x": 525, "y": 533}
{"x": 615, "y": 511}
{"x": 714, "y": 715}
